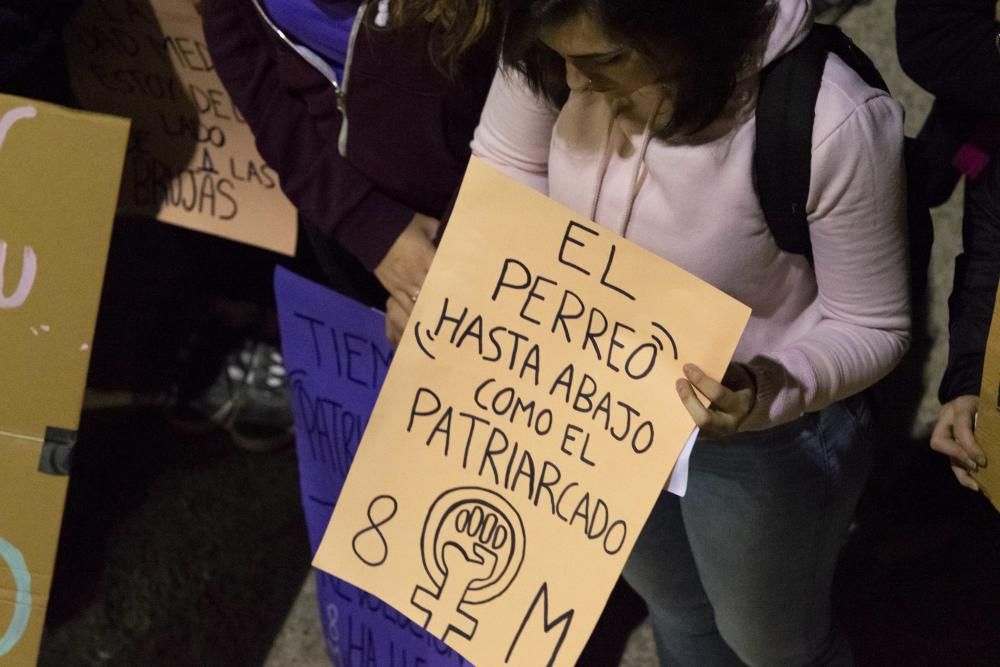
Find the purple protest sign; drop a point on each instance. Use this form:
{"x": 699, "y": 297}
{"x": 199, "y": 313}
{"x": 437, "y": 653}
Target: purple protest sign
{"x": 337, "y": 355}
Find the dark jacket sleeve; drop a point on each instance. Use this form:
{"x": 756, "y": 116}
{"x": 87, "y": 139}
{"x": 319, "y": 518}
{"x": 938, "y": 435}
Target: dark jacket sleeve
{"x": 977, "y": 271}
{"x": 949, "y": 48}
{"x": 297, "y": 136}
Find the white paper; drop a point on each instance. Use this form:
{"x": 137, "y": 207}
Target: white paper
{"x": 678, "y": 483}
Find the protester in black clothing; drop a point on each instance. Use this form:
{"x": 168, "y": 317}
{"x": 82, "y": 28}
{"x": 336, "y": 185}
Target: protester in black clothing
{"x": 951, "y": 48}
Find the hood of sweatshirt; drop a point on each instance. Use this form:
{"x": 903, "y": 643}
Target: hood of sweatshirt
{"x": 792, "y": 22}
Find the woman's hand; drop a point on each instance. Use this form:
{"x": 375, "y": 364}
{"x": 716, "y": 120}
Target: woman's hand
{"x": 396, "y": 316}
{"x": 731, "y": 400}
{"x": 403, "y": 269}
{"x": 954, "y": 437}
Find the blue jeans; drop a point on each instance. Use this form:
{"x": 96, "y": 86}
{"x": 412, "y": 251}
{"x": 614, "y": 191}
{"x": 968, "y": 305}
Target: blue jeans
{"x": 739, "y": 571}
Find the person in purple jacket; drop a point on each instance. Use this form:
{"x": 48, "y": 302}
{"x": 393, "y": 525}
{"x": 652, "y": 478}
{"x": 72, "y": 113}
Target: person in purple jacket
{"x": 370, "y": 137}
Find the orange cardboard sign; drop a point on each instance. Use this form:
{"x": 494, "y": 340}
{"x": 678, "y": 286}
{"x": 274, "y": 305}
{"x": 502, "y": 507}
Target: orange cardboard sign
{"x": 191, "y": 157}
{"x": 526, "y": 427}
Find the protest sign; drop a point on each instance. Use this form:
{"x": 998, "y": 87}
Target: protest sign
{"x": 60, "y": 171}
{"x": 337, "y": 355}
{"x": 988, "y": 419}
{"x": 527, "y": 425}
{"x": 191, "y": 157}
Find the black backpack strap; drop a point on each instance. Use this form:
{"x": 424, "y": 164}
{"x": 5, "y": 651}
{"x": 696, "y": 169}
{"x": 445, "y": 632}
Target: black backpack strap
{"x": 839, "y": 43}
{"x": 786, "y": 110}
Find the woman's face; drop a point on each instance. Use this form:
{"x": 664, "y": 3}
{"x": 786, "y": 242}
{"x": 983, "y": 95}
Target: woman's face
{"x": 596, "y": 60}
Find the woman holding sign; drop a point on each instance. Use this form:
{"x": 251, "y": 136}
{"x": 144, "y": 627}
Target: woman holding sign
{"x": 641, "y": 115}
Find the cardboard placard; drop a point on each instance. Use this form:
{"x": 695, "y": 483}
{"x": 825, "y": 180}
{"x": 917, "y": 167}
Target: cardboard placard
{"x": 191, "y": 160}
{"x": 527, "y": 425}
{"x": 337, "y": 355}
{"x": 60, "y": 171}
{"x": 988, "y": 419}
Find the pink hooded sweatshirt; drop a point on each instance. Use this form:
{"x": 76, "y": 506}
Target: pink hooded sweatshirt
{"x": 816, "y": 335}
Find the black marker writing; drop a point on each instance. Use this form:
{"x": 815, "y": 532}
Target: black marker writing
{"x": 369, "y": 544}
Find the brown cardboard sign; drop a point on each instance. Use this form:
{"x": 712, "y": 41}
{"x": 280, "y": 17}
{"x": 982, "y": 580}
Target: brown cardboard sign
{"x": 988, "y": 419}
{"x": 527, "y": 425}
{"x": 191, "y": 158}
{"x": 31, "y": 508}
{"x": 60, "y": 170}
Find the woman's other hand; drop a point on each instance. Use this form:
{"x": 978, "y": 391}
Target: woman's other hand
{"x": 396, "y": 316}
{"x": 730, "y": 400}
{"x": 403, "y": 269}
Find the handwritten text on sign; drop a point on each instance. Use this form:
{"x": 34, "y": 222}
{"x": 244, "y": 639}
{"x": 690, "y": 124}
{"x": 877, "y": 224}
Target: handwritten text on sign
{"x": 10, "y": 556}
{"x": 337, "y": 355}
{"x": 191, "y": 158}
{"x": 29, "y": 262}
{"x": 527, "y": 425}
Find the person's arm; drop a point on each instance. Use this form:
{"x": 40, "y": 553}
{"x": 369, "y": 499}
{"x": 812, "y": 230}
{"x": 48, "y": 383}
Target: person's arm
{"x": 856, "y": 214}
{"x": 327, "y": 189}
{"x": 949, "y": 48}
{"x": 977, "y": 271}
{"x": 513, "y": 136}
{"x": 515, "y": 131}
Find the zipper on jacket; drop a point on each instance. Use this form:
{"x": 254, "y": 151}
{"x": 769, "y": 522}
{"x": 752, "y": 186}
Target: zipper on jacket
{"x": 342, "y": 91}
{"x": 320, "y": 65}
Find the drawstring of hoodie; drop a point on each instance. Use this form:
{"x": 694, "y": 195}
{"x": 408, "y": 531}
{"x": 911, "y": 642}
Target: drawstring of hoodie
{"x": 602, "y": 167}
{"x": 637, "y": 165}
{"x": 382, "y": 15}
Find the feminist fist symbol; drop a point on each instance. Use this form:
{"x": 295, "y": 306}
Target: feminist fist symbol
{"x": 473, "y": 548}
